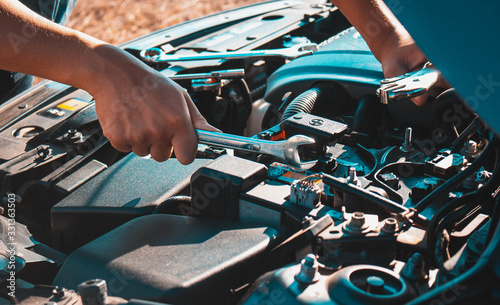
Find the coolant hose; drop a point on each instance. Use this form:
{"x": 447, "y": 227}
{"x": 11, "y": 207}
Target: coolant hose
{"x": 306, "y": 101}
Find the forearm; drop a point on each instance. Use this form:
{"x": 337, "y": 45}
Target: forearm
{"x": 139, "y": 109}
{"x": 33, "y": 45}
{"x": 388, "y": 40}
{"x": 373, "y": 20}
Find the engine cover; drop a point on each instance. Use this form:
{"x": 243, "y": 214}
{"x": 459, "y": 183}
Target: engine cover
{"x": 175, "y": 259}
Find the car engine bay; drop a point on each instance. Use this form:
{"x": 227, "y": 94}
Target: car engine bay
{"x": 401, "y": 202}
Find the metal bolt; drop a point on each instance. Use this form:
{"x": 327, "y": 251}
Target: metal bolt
{"x": 251, "y": 37}
{"x": 390, "y": 226}
{"x": 353, "y": 176}
{"x": 72, "y": 135}
{"x": 297, "y": 116}
{"x": 316, "y": 122}
{"x": 308, "y": 270}
{"x": 391, "y": 180}
{"x": 357, "y": 221}
{"x": 43, "y": 152}
{"x": 22, "y": 106}
{"x": 352, "y": 173}
{"x": 470, "y": 147}
{"x": 407, "y": 147}
{"x": 266, "y": 135}
{"x": 93, "y": 292}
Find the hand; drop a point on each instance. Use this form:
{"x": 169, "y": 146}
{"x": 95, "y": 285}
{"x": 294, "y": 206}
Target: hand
{"x": 398, "y": 55}
{"x": 388, "y": 40}
{"x": 137, "y": 107}
{"x": 141, "y": 110}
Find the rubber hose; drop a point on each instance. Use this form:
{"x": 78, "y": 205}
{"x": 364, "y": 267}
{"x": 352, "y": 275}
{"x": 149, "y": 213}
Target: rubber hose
{"x": 305, "y": 102}
{"x": 368, "y": 109}
{"x": 436, "y": 224}
{"x": 247, "y": 100}
{"x": 173, "y": 205}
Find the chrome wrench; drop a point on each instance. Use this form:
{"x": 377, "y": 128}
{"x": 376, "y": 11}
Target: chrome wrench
{"x": 221, "y": 74}
{"x": 286, "y": 150}
{"x": 408, "y": 85}
{"x": 157, "y": 55}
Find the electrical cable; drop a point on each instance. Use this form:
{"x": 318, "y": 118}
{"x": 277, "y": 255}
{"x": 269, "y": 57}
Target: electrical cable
{"x": 460, "y": 207}
{"x": 451, "y": 183}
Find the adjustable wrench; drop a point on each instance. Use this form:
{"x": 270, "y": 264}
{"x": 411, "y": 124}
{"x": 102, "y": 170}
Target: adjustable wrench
{"x": 157, "y": 55}
{"x": 286, "y": 150}
{"x": 408, "y": 85}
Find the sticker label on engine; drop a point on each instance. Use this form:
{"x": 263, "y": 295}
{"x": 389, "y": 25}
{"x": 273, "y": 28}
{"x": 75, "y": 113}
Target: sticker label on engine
{"x": 73, "y": 104}
{"x": 285, "y": 173}
{"x": 53, "y": 113}
{"x": 64, "y": 108}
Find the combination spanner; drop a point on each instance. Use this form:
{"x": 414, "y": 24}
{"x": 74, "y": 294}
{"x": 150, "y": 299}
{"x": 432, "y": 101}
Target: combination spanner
{"x": 286, "y": 150}
{"x": 158, "y": 55}
{"x": 408, "y": 85}
{"x": 221, "y": 74}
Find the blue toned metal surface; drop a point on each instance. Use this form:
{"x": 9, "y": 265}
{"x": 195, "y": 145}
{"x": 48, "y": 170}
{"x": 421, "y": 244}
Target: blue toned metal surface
{"x": 344, "y": 58}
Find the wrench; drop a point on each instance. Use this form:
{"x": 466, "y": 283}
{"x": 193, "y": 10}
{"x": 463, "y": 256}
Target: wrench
{"x": 157, "y": 55}
{"x": 221, "y": 74}
{"x": 286, "y": 150}
{"x": 408, "y": 85}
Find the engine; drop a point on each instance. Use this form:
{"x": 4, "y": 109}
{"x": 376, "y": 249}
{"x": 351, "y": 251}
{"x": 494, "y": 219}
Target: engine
{"x": 401, "y": 202}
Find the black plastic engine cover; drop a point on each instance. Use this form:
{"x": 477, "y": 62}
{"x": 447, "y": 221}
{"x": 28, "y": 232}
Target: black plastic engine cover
{"x": 216, "y": 187}
{"x": 172, "y": 259}
{"x": 132, "y": 187}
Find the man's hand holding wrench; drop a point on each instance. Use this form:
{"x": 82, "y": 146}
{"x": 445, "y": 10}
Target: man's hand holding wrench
{"x": 408, "y": 85}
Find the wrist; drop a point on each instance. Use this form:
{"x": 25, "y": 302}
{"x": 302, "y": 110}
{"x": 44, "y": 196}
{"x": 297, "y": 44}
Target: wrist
{"x": 383, "y": 44}
{"x": 98, "y": 64}
{"x": 110, "y": 66}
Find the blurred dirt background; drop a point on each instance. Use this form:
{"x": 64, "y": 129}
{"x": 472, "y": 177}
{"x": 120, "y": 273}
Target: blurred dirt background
{"x": 117, "y": 21}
